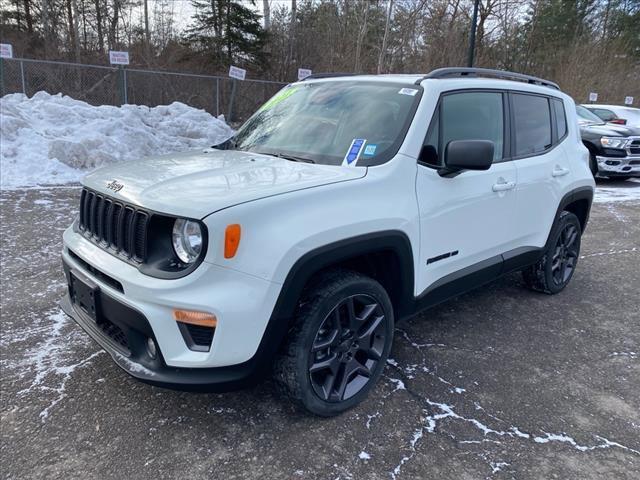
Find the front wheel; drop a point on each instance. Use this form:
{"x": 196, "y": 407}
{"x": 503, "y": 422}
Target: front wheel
{"x": 555, "y": 269}
{"x": 339, "y": 344}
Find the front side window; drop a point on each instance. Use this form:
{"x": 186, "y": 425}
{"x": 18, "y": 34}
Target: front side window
{"x": 466, "y": 116}
{"x": 320, "y": 121}
{"x": 532, "y": 123}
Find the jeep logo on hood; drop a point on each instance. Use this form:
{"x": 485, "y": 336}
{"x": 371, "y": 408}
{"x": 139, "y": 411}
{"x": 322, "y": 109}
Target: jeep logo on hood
{"x": 115, "y": 186}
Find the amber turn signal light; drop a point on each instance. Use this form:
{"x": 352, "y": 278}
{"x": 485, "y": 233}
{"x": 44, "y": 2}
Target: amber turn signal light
{"x": 195, "y": 318}
{"x": 231, "y": 240}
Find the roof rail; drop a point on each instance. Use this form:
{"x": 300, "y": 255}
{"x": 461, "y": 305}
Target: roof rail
{"x": 486, "y": 72}
{"x": 329, "y": 75}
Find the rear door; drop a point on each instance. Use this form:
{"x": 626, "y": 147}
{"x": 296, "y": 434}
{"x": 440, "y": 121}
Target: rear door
{"x": 466, "y": 221}
{"x": 544, "y": 173}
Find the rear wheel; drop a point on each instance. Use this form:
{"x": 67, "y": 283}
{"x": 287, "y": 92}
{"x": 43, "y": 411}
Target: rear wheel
{"x": 555, "y": 269}
{"x": 340, "y": 342}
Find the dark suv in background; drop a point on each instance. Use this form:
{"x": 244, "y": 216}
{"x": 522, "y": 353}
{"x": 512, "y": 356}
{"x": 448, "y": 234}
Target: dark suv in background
{"x": 614, "y": 150}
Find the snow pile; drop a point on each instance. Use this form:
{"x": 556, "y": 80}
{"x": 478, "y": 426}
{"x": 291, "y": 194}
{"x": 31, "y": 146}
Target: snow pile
{"x": 53, "y": 139}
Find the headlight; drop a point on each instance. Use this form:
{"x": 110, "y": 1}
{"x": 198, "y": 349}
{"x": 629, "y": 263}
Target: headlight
{"x": 614, "y": 142}
{"x": 187, "y": 240}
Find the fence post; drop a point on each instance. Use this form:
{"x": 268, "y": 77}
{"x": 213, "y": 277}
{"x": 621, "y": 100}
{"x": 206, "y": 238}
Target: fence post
{"x": 233, "y": 96}
{"x": 24, "y": 84}
{"x": 1, "y": 77}
{"x": 217, "y": 97}
{"x": 123, "y": 84}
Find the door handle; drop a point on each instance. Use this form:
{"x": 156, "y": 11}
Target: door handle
{"x": 503, "y": 186}
{"x": 559, "y": 172}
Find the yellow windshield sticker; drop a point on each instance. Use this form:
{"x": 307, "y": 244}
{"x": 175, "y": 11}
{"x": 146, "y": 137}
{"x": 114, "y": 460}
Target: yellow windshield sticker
{"x": 279, "y": 97}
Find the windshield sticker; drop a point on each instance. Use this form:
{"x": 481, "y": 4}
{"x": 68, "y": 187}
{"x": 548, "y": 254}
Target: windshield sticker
{"x": 351, "y": 158}
{"x": 369, "y": 150}
{"x": 279, "y": 97}
{"x": 408, "y": 91}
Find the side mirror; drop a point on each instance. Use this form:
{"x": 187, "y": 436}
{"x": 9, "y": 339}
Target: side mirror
{"x": 467, "y": 155}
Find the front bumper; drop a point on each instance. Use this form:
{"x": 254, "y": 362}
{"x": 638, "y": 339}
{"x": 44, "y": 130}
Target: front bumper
{"x": 242, "y": 303}
{"x": 154, "y": 371}
{"x": 619, "y": 166}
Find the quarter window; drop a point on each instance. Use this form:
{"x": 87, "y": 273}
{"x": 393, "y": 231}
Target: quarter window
{"x": 532, "y": 123}
{"x": 466, "y": 116}
{"x": 561, "y": 119}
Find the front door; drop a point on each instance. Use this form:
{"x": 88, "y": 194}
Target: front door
{"x": 468, "y": 220}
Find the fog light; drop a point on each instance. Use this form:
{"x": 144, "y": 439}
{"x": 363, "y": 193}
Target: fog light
{"x": 151, "y": 348}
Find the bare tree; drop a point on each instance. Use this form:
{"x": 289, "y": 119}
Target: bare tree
{"x": 361, "y": 34}
{"x": 383, "y": 49}
{"x": 266, "y": 12}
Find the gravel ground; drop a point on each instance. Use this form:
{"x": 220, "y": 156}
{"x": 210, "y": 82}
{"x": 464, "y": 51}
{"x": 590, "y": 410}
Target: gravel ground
{"x": 499, "y": 383}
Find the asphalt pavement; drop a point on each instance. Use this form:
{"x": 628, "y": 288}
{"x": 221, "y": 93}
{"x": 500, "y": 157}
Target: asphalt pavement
{"x": 500, "y": 383}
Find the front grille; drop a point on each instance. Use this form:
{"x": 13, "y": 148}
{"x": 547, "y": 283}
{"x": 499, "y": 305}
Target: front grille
{"x": 114, "y": 225}
{"x": 634, "y": 148}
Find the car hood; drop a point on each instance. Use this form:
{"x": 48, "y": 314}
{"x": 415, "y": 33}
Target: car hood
{"x": 610, "y": 130}
{"x": 195, "y": 184}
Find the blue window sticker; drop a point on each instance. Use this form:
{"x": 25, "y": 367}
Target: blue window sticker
{"x": 351, "y": 158}
{"x": 370, "y": 150}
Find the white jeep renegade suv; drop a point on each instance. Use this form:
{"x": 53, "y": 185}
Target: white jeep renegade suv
{"x": 343, "y": 205}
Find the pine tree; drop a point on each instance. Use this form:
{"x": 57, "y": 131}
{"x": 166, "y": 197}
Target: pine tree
{"x": 227, "y": 31}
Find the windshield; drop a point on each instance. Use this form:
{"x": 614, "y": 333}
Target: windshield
{"x": 585, "y": 116}
{"x": 330, "y": 122}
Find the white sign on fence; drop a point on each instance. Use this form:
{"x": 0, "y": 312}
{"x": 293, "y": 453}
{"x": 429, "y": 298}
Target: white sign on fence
{"x": 628, "y": 100}
{"x": 118, "y": 58}
{"x": 6, "y": 50}
{"x": 303, "y": 73}
{"x": 237, "y": 72}
{"x": 593, "y": 97}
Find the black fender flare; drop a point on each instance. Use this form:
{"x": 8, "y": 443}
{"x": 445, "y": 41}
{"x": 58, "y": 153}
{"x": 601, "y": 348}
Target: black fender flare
{"x": 580, "y": 193}
{"x": 323, "y": 257}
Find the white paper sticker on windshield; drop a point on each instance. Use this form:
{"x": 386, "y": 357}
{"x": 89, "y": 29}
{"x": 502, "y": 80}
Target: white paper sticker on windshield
{"x": 408, "y": 91}
{"x": 351, "y": 158}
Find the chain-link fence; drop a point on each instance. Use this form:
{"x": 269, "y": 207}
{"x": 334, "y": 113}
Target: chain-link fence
{"x": 101, "y": 85}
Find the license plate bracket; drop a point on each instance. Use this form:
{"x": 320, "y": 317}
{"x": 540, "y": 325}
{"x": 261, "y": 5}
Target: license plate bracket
{"x": 85, "y": 294}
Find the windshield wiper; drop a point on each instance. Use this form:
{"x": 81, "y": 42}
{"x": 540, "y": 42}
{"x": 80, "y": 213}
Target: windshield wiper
{"x": 228, "y": 144}
{"x": 293, "y": 158}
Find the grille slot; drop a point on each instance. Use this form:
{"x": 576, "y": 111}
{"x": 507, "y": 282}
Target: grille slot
{"x": 114, "y": 225}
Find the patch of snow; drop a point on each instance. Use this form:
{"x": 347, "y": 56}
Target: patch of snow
{"x": 497, "y": 466}
{"x": 611, "y": 252}
{"x": 54, "y": 139}
{"x": 399, "y": 384}
{"x": 629, "y": 192}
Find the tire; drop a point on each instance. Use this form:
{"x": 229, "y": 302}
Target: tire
{"x": 553, "y": 272}
{"x": 347, "y": 318}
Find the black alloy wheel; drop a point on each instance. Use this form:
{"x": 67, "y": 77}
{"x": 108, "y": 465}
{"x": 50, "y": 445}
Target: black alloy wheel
{"x": 565, "y": 255}
{"x": 347, "y": 348}
{"x": 553, "y": 272}
{"x": 339, "y": 342}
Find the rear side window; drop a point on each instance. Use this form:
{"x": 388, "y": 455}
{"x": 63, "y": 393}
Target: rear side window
{"x": 532, "y": 123}
{"x": 606, "y": 115}
{"x": 561, "y": 118}
{"x": 466, "y": 116}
